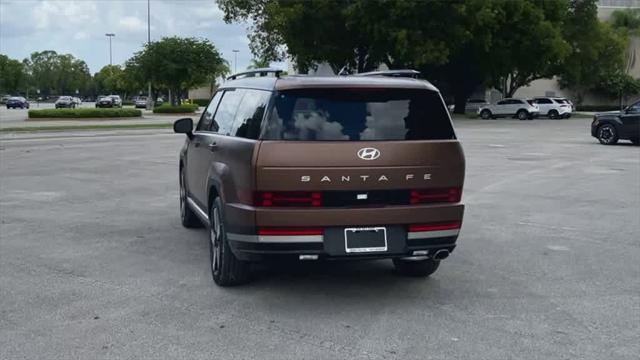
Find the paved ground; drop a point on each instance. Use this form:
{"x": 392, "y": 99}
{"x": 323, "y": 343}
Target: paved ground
{"x": 94, "y": 263}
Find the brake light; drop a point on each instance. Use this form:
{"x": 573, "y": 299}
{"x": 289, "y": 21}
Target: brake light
{"x": 451, "y": 225}
{"x": 272, "y": 231}
{"x": 425, "y": 196}
{"x": 288, "y": 198}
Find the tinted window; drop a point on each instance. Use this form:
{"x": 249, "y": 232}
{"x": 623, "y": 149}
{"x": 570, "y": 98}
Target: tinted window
{"x": 635, "y": 108}
{"x": 226, "y": 113}
{"x": 359, "y": 114}
{"x": 544, "y": 101}
{"x": 249, "y": 116}
{"x": 503, "y": 102}
{"x": 207, "y": 115}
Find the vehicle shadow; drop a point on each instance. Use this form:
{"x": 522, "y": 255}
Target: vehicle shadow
{"x": 326, "y": 284}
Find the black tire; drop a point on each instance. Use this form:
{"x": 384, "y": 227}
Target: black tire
{"x": 188, "y": 218}
{"x": 485, "y": 114}
{"x": 607, "y": 134}
{"x": 553, "y": 114}
{"x": 418, "y": 268}
{"x": 226, "y": 269}
{"x": 522, "y": 115}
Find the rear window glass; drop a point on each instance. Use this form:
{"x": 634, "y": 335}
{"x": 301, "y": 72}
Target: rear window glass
{"x": 358, "y": 115}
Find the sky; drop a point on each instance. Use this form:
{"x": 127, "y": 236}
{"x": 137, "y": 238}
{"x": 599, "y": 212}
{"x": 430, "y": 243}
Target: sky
{"x": 78, "y": 27}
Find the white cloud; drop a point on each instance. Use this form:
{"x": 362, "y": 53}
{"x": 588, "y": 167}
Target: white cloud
{"x": 78, "y": 27}
{"x": 132, "y": 24}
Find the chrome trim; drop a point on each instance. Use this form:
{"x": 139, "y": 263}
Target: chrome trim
{"x": 276, "y": 238}
{"x": 242, "y": 237}
{"x": 290, "y": 238}
{"x": 432, "y": 234}
{"x": 203, "y": 215}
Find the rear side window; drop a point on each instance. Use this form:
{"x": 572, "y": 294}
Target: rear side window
{"x": 249, "y": 116}
{"x": 358, "y": 115}
{"x": 223, "y": 119}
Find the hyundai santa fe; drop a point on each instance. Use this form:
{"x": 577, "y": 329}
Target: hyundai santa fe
{"x": 322, "y": 168}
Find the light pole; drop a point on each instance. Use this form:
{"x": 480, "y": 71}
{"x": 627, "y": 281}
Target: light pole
{"x": 110, "y": 35}
{"x": 149, "y": 97}
{"x": 235, "y": 60}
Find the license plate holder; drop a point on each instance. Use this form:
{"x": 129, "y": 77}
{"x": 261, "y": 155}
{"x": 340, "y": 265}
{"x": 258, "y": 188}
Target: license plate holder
{"x": 365, "y": 239}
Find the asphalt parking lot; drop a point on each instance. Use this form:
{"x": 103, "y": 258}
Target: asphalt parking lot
{"x": 94, "y": 262}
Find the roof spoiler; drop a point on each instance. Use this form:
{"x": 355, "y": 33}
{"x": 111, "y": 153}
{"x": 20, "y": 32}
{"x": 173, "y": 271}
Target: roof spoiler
{"x": 410, "y": 73}
{"x": 255, "y": 73}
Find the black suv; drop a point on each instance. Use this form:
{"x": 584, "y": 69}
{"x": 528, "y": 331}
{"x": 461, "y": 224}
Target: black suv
{"x": 612, "y": 126}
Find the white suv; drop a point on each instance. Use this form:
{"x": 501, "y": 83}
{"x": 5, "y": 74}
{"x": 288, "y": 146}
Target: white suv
{"x": 554, "y": 108}
{"x": 511, "y": 107}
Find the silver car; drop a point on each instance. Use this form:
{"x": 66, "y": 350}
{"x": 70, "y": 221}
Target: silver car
{"x": 511, "y": 107}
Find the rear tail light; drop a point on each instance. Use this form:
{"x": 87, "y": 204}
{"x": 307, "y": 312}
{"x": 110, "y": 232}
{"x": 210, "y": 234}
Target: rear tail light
{"x": 292, "y": 231}
{"x": 425, "y": 196}
{"x": 450, "y": 225}
{"x": 288, "y": 198}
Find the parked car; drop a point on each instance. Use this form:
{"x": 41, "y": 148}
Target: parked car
{"x": 473, "y": 105}
{"x": 609, "y": 127}
{"x": 141, "y": 102}
{"x": 511, "y": 107}
{"x": 16, "y": 102}
{"x": 565, "y": 101}
{"x": 553, "y": 108}
{"x": 110, "y": 101}
{"x": 64, "y": 102}
{"x": 117, "y": 102}
{"x": 349, "y": 167}
{"x": 4, "y": 99}
{"x": 77, "y": 101}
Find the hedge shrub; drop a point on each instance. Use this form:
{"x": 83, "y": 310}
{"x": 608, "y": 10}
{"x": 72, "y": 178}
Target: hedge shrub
{"x": 201, "y": 102}
{"x": 84, "y": 113}
{"x": 597, "y": 107}
{"x": 169, "y": 109}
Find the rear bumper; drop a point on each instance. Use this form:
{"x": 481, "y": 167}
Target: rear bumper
{"x": 259, "y": 251}
{"x": 248, "y": 246}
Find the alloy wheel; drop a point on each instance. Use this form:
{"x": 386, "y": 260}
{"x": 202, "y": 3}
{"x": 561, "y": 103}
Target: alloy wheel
{"x": 606, "y": 134}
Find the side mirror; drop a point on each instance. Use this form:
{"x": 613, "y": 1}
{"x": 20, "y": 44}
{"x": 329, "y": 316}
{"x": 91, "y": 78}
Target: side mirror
{"x": 183, "y": 126}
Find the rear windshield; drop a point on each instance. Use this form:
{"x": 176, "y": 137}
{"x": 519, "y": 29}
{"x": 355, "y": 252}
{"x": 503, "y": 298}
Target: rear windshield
{"x": 358, "y": 114}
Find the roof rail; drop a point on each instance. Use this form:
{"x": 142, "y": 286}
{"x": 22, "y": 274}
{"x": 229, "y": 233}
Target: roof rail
{"x": 393, "y": 73}
{"x": 255, "y": 72}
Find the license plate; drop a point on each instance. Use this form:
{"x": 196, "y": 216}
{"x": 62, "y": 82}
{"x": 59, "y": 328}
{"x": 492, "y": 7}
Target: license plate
{"x": 365, "y": 239}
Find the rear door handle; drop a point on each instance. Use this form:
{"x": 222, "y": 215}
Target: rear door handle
{"x": 213, "y": 146}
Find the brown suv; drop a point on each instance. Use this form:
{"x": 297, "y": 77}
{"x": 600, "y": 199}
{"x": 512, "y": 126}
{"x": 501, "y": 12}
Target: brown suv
{"x": 348, "y": 167}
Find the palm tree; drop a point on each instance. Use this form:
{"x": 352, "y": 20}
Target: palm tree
{"x": 258, "y": 64}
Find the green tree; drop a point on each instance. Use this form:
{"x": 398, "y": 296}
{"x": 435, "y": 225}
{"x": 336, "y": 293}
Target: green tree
{"x": 58, "y": 74}
{"x": 109, "y": 80}
{"x": 13, "y": 76}
{"x": 597, "y": 51}
{"x": 258, "y": 64}
{"x": 178, "y": 64}
{"x": 476, "y": 41}
{"x": 526, "y": 43}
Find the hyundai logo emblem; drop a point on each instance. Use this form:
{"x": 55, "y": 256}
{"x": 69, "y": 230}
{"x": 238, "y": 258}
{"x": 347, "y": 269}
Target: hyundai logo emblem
{"x": 368, "y": 153}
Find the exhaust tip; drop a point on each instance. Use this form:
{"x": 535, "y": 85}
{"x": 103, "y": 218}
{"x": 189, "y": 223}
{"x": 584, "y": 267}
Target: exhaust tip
{"x": 441, "y": 255}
